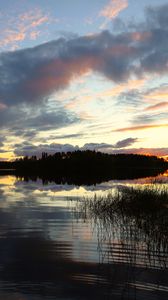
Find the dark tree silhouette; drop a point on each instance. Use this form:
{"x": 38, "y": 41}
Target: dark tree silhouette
{"x": 87, "y": 166}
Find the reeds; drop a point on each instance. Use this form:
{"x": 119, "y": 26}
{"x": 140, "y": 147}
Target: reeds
{"x": 131, "y": 201}
{"x": 133, "y": 216}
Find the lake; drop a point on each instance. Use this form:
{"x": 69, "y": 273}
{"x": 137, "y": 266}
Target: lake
{"x": 51, "y": 249}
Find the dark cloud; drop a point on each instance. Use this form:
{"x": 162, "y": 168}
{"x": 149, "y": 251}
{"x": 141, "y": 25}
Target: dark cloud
{"x": 2, "y": 140}
{"x": 25, "y": 133}
{"x": 51, "y": 120}
{"x": 27, "y": 121}
{"x": 3, "y": 151}
{"x": 28, "y": 149}
{"x": 103, "y": 146}
{"x": 32, "y": 75}
{"x": 126, "y": 142}
{"x": 96, "y": 146}
{"x": 157, "y": 16}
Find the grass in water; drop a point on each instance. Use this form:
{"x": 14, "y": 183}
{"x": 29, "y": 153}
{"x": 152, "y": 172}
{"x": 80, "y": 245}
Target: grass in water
{"x": 133, "y": 216}
{"x": 129, "y": 201}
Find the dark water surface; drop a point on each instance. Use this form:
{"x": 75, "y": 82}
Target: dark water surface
{"x": 49, "y": 249}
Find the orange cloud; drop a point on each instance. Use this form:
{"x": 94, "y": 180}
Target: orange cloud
{"x": 140, "y": 127}
{"x": 157, "y": 106}
{"x": 113, "y": 8}
{"x": 12, "y": 37}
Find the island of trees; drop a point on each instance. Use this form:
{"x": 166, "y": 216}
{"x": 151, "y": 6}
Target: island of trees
{"x": 85, "y": 166}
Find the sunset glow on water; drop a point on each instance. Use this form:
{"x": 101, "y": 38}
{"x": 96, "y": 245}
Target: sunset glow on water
{"x": 48, "y": 243}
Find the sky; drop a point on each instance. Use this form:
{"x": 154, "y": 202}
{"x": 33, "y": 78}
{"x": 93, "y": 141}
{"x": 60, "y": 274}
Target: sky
{"x": 83, "y": 75}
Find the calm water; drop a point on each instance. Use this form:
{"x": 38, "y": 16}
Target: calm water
{"x": 49, "y": 249}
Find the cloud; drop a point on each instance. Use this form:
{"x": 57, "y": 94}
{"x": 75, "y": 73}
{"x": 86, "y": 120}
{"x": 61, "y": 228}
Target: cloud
{"x": 103, "y": 146}
{"x": 150, "y": 118}
{"x": 25, "y": 133}
{"x": 157, "y": 94}
{"x": 33, "y": 75}
{"x": 141, "y": 127}
{"x": 22, "y": 120}
{"x": 2, "y": 139}
{"x": 126, "y": 142}
{"x": 30, "y": 77}
{"x": 2, "y": 106}
{"x": 113, "y": 8}
{"x": 66, "y": 136}
{"x": 157, "y": 15}
{"x": 96, "y": 146}
{"x": 21, "y": 27}
{"x": 129, "y": 86}
{"x": 28, "y": 149}
{"x": 51, "y": 120}
{"x": 157, "y": 106}
{"x": 34, "y": 35}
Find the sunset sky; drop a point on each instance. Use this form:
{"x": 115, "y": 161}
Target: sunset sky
{"x": 80, "y": 74}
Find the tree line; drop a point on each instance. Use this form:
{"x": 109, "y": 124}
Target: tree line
{"x": 87, "y": 164}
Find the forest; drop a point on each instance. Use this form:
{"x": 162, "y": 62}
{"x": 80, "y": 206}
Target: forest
{"x": 88, "y": 166}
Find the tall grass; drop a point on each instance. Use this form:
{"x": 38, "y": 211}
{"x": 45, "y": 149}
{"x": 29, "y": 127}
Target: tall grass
{"x": 130, "y": 201}
{"x": 132, "y": 215}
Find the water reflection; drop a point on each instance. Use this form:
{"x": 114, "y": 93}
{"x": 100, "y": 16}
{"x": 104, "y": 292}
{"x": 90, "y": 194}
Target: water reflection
{"x": 49, "y": 249}
{"x": 120, "y": 174}
{"x": 134, "y": 244}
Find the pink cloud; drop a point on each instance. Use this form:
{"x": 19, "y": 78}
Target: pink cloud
{"x": 121, "y": 50}
{"x": 25, "y": 25}
{"x": 34, "y": 34}
{"x": 141, "y": 36}
{"x": 113, "y": 8}
{"x": 2, "y": 106}
{"x": 157, "y": 106}
{"x": 59, "y": 73}
{"x": 39, "y": 21}
{"x": 12, "y": 37}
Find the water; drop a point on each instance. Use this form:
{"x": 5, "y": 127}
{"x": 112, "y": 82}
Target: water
{"x": 50, "y": 249}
